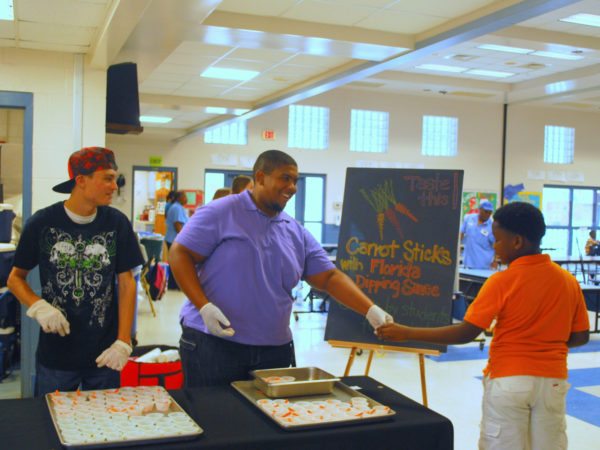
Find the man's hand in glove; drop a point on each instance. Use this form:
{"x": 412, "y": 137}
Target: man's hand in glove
{"x": 377, "y": 317}
{"x": 115, "y": 356}
{"x": 50, "y": 319}
{"x": 213, "y": 317}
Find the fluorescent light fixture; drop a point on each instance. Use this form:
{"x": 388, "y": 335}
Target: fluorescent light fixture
{"x": 441, "y": 68}
{"x": 155, "y": 119}
{"x": 591, "y": 20}
{"x": 6, "y": 10}
{"x": 557, "y": 55}
{"x": 239, "y": 112}
{"x": 505, "y": 48}
{"x": 215, "y": 110}
{"x": 490, "y": 73}
{"x": 229, "y": 74}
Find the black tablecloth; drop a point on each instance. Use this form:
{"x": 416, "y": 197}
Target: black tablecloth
{"x": 232, "y": 422}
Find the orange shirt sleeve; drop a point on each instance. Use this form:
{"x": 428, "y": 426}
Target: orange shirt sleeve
{"x": 487, "y": 304}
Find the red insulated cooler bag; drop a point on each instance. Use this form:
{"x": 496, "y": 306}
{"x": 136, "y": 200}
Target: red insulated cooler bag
{"x": 166, "y": 374}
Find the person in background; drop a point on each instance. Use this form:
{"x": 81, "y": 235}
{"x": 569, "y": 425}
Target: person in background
{"x": 83, "y": 248}
{"x": 177, "y": 217}
{"x": 241, "y": 183}
{"x": 237, "y": 261}
{"x": 171, "y": 197}
{"x": 591, "y": 245}
{"x": 478, "y": 239}
{"x": 540, "y": 313}
{"x": 221, "y": 192}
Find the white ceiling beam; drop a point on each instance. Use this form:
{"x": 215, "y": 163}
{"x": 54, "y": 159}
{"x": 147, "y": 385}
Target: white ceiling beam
{"x": 546, "y": 37}
{"x": 558, "y": 85}
{"x": 482, "y": 22}
{"x": 426, "y": 81}
{"x": 119, "y": 22}
{"x": 281, "y": 28}
{"x": 164, "y": 26}
{"x": 169, "y": 100}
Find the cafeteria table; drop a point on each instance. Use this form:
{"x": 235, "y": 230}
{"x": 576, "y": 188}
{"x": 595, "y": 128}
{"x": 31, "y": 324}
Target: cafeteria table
{"x": 232, "y": 422}
{"x": 471, "y": 280}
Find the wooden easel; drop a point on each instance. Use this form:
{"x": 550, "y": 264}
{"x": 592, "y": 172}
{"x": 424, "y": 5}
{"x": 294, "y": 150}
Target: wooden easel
{"x": 355, "y": 346}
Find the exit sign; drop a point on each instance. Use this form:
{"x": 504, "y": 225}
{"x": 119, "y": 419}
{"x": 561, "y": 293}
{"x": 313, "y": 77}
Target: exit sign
{"x": 156, "y": 161}
{"x": 268, "y": 135}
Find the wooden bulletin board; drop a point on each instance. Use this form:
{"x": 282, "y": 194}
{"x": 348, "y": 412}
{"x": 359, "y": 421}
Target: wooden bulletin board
{"x": 398, "y": 242}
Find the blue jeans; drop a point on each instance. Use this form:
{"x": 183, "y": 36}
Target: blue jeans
{"x": 48, "y": 380}
{"x": 208, "y": 360}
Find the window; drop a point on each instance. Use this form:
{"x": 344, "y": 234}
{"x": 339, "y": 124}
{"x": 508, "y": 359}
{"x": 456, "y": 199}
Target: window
{"x": 308, "y": 127}
{"x": 235, "y": 133}
{"x": 559, "y": 144}
{"x": 440, "y": 136}
{"x": 570, "y": 213}
{"x": 369, "y": 131}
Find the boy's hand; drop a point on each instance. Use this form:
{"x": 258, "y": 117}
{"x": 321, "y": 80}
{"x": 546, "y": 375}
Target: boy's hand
{"x": 51, "y": 319}
{"x": 115, "y": 356}
{"x": 392, "y": 332}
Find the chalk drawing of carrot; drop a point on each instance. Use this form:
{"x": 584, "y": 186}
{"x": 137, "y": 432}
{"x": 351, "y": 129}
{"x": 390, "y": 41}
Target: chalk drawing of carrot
{"x": 375, "y": 202}
{"x": 400, "y": 207}
{"x": 404, "y": 210}
{"x": 389, "y": 213}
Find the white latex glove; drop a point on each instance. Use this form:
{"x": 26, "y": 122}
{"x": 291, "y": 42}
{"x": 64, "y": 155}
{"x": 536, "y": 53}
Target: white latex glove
{"x": 50, "y": 319}
{"x": 115, "y": 356}
{"x": 377, "y": 317}
{"x": 213, "y": 318}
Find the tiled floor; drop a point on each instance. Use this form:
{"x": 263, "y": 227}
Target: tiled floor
{"x": 453, "y": 383}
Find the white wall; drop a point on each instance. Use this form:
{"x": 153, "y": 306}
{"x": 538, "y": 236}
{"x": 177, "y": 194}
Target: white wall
{"x": 49, "y": 76}
{"x": 525, "y": 143}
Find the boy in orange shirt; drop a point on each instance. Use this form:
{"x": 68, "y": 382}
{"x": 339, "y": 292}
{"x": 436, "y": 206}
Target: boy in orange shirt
{"x": 540, "y": 312}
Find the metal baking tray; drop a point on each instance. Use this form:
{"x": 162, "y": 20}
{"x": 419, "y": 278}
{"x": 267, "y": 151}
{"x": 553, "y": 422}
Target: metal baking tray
{"x": 134, "y": 441}
{"x": 307, "y": 381}
{"x": 340, "y": 392}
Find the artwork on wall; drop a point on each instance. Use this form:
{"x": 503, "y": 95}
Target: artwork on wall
{"x": 533, "y": 198}
{"x": 471, "y": 200}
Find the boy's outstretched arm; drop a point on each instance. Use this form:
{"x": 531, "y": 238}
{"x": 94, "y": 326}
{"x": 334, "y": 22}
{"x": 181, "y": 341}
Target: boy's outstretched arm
{"x": 578, "y": 338}
{"x": 461, "y": 333}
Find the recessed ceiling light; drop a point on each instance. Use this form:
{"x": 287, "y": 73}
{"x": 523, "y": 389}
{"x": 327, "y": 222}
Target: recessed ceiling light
{"x": 505, "y": 48}
{"x": 591, "y": 20}
{"x": 6, "y": 10}
{"x": 557, "y": 55}
{"x": 490, "y": 73}
{"x": 215, "y": 110}
{"x": 441, "y": 68}
{"x": 229, "y": 74}
{"x": 239, "y": 112}
{"x": 155, "y": 119}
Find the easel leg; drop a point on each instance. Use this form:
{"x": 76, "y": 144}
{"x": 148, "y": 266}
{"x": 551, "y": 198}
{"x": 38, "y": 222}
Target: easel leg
{"x": 350, "y": 361}
{"x": 423, "y": 385}
{"x": 368, "y": 368}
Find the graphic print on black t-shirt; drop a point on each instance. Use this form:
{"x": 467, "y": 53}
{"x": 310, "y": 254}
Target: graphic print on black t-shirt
{"x": 79, "y": 269}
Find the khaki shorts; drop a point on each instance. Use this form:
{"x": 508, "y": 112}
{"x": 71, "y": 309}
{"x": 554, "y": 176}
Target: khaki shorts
{"x": 523, "y": 413}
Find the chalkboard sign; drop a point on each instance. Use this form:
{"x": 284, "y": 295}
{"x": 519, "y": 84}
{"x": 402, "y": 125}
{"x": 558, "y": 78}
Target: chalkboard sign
{"x": 398, "y": 242}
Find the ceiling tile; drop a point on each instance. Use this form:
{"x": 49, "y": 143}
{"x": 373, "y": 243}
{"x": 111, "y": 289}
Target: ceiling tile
{"x": 63, "y": 12}
{"x": 324, "y": 12}
{"x": 401, "y": 22}
{"x": 258, "y": 7}
{"x": 55, "y": 34}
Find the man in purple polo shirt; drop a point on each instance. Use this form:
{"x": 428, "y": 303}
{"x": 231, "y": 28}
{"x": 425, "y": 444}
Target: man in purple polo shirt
{"x": 237, "y": 261}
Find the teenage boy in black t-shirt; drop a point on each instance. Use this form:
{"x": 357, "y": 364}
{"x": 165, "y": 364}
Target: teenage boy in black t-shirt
{"x": 82, "y": 247}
